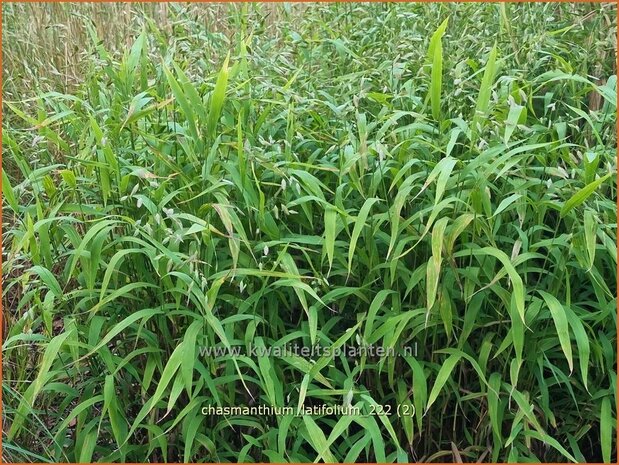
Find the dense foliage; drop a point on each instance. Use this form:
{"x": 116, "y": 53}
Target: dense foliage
{"x": 425, "y": 176}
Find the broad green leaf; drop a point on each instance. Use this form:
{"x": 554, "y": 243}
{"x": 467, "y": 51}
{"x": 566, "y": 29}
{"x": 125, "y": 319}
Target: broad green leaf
{"x": 330, "y": 218}
{"x": 590, "y": 235}
{"x": 485, "y": 90}
{"x": 435, "y": 56}
{"x": 8, "y": 194}
{"x": 582, "y": 343}
{"x": 559, "y": 317}
{"x": 606, "y": 428}
{"x": 181, "y": 98}
{"x": 579, "y": 197}
{"x": 515, "y": 111}
{"x": 49, "y": 279}
{"x": 189, "y": 355}
{"x": 217, "y": 99}
{"x": 318, "y": 440}
{"x": 442, "y": 377}
{"x": 359, "y": 225}
{"x": 434, "y": 264}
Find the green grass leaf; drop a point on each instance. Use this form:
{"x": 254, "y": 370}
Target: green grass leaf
{"x": 559, "y": 316}
{"x": 583, "y": 194}
{"x": 359, "y": 225}
{"x": 318, "y": 440}
{"x": 435, "y": 56}
{"x": 217, "y": 99}
{"x": 606, "y": 428}
{"x": 485, "y": 90}
{"x": 442, "y": 377}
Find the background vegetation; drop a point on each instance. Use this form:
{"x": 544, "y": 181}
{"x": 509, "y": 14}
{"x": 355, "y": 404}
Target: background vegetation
{"x": 430, "y": 175}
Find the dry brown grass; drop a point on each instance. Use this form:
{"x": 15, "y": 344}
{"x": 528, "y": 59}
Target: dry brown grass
{"x": 49, "y": 41}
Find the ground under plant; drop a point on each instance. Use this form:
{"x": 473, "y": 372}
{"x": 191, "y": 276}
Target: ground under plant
{"x": 436, "y": 181}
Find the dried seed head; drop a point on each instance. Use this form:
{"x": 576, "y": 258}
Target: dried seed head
{"x": 177, "y": 238}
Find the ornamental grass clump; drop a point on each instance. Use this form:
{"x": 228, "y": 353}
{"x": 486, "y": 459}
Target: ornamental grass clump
{"x": 415, "y": 178}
